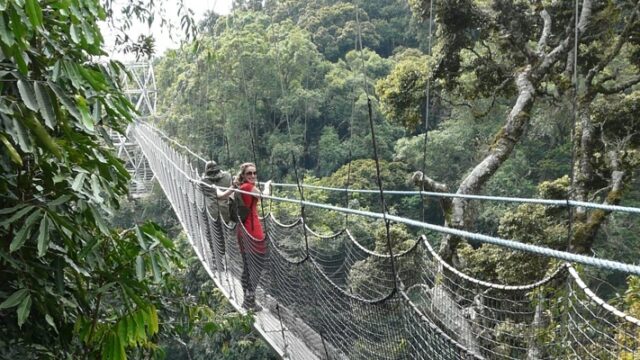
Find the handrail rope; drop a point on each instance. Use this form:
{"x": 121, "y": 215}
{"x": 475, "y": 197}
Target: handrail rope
{"x": 574, "y": 80}
{"x": 427, "y": 107}
{"x": 459, "y": 273}
{"x": 505, "y": 243}
{"x": 383, "y": 204}
{"x": 350, "y": 157}
{"x": 273, "y": 218}
{"x": 570, "y": 190}
{"x": 175, "y": 142}
{"x": 556, "y": 202}
{"x": 574, "y": 274}
{"x": 377, "y": 254}
{"x": 595, "y": 298}
{"x": 510, "y": 244}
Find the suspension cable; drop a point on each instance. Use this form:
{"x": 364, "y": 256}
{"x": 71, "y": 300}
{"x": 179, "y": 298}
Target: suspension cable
{"x": 427, "y": 106}
{"x": 574, "y": 110}
{"x": 293, "y": 156}
{"x": 551, "y": 202}
{"x": 383, "y": 205}
{"x": 350, "y": 157}
{"x": 505, "y": 243}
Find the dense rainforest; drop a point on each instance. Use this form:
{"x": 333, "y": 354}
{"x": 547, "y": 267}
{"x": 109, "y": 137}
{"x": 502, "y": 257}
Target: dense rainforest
{"x": 514, "y": 98}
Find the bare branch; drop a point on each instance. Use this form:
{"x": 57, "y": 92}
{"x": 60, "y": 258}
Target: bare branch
{"x": 428, "y": 184}
{"x": 546, "y": 31}
{"x": 615, "y": 50}
{"x": 564, "y": 45}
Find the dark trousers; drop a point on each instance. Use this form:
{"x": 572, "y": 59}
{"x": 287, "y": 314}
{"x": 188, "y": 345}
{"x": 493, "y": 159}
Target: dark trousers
{"x": 252, "y": 265}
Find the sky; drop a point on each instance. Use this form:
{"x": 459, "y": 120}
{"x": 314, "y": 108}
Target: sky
{"x": 163, "y": 41}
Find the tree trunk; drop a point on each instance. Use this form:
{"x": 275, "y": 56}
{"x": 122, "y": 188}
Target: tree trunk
{"x": 504, "y": 142}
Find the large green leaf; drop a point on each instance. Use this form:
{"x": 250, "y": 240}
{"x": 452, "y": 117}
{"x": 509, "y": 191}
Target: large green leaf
{"x": 14, "y": 299}
{"x": 66, "y": 101}
{"x": 23, "y": 310}
{"x": 43, "y": 236}
{"x": 27, "y": 94}
{"x": 75, "y": 33}
{"x": 6, "y": 35}
{"x": 42, "y": 135}
{"x": 19, "y": 214}
{"x": 34, "y": 12}
{"x": 83, "y": 107}
{"x": 18, "y": 132}
{"x": 23, "y": 234}
{"x": 13, "y": 153}
{"x": 140, "y": 268}
{"x": 44, "y": 105}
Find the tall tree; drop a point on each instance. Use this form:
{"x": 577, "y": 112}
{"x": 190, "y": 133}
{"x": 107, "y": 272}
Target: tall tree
{"x": 69, "y": 285}
{"x": 524, "y": 52}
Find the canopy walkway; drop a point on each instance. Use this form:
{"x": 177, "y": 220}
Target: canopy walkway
{"x": 330, "y": 297}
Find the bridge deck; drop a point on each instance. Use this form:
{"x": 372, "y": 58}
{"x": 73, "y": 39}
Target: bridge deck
{"x": 284, "y": 333}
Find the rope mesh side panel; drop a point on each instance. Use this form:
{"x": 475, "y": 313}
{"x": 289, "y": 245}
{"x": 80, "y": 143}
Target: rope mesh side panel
{"x": 338, "y": 300}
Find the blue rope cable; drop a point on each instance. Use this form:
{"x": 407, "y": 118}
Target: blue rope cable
{"x": 553, "y": 202}
{"x": 505, "y": 243}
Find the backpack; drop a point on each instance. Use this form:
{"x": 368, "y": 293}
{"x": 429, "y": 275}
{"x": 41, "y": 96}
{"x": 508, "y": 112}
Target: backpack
{"x": 237, "y": 208}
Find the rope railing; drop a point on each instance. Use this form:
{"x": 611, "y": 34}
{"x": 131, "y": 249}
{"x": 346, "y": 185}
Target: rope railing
{"x": 553, "y": 202}
{"x": 336, "y": 298}
{"x": 505, "y": 243}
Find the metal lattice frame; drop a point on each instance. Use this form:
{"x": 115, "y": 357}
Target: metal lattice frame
{"x": 140, "y": 87}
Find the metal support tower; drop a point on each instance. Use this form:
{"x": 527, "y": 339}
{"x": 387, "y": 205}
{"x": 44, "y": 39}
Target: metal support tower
{"x": 140, "y": 86}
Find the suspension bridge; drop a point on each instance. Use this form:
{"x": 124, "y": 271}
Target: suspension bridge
{"x": 328, "y": 296}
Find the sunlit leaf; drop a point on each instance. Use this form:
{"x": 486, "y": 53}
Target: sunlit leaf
{"x": 42, "y": 135}
{"x": 87, "y": 120}
{"x": 50, "y": 321}
{"x": 75, "y": 36}
{"x": 43, "y": 236}
{"x": 34, "y": 12}
{"x": 153, "y": 320}
{"x": 66, "y": 101}
{"x": 140, "y": 268}
{"x": 6, "y": 35}
{"x": 13, "y": 153}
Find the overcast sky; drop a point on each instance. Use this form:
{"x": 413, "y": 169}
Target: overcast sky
{"x": 163, "y": 42}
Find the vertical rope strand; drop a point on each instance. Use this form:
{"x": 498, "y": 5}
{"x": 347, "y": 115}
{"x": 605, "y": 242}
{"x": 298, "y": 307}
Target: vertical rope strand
{"x": 427, "y": 106}
{"x": 377, "y": 161}
{"x": 574, "y": 110}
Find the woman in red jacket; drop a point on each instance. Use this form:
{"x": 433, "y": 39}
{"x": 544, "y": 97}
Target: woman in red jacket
{"x": 252, "y": 242}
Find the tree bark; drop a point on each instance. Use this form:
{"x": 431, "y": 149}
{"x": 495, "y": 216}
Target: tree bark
{"x": 504, "y": 142}
{"x": 527, "y": 81}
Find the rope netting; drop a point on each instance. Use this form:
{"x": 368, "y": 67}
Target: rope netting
{"x": 339, "y": 294}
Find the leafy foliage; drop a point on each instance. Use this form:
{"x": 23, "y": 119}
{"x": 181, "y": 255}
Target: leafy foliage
{"x": 70, "y": 286}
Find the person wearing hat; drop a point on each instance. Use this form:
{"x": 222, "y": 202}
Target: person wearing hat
{"x": 213, "y": 175}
